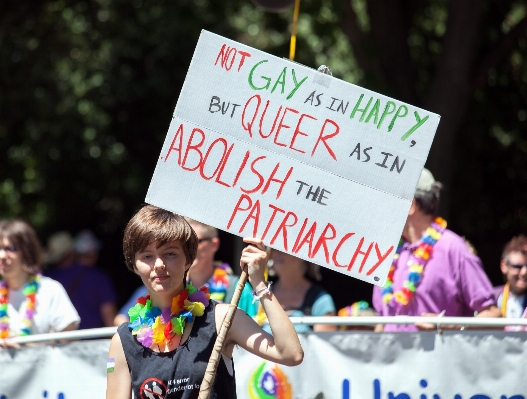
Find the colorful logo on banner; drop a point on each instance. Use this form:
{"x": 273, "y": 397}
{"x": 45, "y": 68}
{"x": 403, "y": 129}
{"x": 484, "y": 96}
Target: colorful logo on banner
{"x": 269, "y": 383}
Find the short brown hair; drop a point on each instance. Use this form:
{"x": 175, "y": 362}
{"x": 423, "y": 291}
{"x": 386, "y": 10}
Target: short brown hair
{"x": 517, "y": 244}
{"x": 152, "y": 224}
{"x": 24, "y": 237}
{"x": 208, "y": 231}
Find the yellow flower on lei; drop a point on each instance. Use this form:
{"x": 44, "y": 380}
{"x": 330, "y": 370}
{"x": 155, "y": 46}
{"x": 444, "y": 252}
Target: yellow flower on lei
{"x": 197, "y": 308}
{"x": 158, "y": 331}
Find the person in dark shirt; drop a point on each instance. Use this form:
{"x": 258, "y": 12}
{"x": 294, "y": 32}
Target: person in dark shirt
{"x": 89, "y": 288}
{"x": 166, "y": 347}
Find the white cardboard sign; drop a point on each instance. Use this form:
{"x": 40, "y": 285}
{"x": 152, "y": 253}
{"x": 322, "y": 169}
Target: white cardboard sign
{"x": 316, "y": 167}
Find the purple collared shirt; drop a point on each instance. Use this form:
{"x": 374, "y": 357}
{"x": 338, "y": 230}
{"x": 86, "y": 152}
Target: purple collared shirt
{"x": 453, "y": 281}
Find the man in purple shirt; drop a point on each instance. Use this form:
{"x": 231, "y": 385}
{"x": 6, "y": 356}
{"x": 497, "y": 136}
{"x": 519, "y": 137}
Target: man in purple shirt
{"x": 450, "y": 282}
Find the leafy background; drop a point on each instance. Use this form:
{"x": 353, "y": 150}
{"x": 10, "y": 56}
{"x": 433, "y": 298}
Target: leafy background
{"x": 87, "y": 89}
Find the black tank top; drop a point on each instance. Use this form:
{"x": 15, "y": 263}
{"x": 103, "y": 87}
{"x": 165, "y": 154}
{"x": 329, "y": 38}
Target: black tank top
{"x": 179, "y": 373}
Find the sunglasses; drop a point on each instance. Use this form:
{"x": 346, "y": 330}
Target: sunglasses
{"x": 9, "y": 248}
{"x": 516, "y": 266}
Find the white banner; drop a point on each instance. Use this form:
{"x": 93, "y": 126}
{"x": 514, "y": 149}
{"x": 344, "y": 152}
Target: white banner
{"x": 317, "y": 167}
{"x": 350, "y": 365}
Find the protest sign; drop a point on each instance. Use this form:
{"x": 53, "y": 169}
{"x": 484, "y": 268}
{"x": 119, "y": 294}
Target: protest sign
{"x": 316, "y": 167}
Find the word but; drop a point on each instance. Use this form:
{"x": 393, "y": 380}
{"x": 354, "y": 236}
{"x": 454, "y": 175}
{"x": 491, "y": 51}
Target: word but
{"x": 215, "y": 106}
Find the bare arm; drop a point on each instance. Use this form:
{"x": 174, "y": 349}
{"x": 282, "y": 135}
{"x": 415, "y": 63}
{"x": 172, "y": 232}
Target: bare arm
{"x": 108, "y": 311}
{"x": 120, "y": 319}
{"x": 325, "y": 327}
{"x": 489, "y": 311}
{"x": 283, "y": 346}
{"x": 118, "y": 382}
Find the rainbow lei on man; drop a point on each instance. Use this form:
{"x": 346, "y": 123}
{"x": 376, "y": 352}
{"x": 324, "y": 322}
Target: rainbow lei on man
{"x": 151, "y": 325}
{"x": 30, "y": 292}
{"x": 417, "y": 263}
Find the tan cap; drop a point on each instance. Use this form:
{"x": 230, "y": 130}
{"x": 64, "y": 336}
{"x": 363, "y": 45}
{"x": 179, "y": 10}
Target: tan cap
{"x": 426, "y": 181}
{"x": 59, "y": 245}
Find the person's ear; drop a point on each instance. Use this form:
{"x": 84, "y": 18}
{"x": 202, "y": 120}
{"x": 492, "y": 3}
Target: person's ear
{"x": 503, "y": 266}
{"x": 413, "y": 208}
{"x": 215, "y": 242}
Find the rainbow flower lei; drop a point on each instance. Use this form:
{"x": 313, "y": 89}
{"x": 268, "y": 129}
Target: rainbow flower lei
{"x": 219, "y": 282}
{"x": 30, "y": 292}
{"x": 354, "y": 309}
{"x": 152, "y": 325}
{"x": 417, "y": 263}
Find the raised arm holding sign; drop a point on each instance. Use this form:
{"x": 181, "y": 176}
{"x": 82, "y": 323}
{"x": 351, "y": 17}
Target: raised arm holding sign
{"x": 166, "y": 348}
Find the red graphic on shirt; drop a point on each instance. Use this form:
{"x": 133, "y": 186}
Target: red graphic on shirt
{"x": 153, "y": 388}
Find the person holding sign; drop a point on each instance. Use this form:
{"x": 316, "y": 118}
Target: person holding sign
{"x": 433, "y": 271}
{"x": 164, "y": 350}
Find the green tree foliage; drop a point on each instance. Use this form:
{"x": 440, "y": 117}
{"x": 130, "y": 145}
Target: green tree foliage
{"x": 87, "y": 89}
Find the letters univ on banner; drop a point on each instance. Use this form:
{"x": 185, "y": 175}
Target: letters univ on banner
{"x": 350, "y": 365}
{"x": 316, "y": 167}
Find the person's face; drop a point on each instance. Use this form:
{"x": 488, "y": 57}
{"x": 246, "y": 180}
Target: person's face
{"x": 11, "y": 261}
{"x": 285, "y": 263}
{"x": 162, "y": 269}
{"x": 515, "y": 270}
{"x": 207, "y": 247}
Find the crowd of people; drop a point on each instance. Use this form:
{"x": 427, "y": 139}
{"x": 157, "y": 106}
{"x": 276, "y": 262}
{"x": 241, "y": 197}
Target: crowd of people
{"x": 434, "y": 272}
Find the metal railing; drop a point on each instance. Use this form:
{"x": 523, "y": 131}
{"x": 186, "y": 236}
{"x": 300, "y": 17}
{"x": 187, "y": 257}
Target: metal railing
{"x": 479, "y": 322}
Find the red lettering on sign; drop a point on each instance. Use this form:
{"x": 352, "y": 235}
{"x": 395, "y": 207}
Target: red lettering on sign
{"x": 359, "y": 252}
{"x": 249, "y": 126}
{"x": 271, "y": 219}
{"x": 322, "y": 241}
{"x": 255, "y": 215}
{"x": 380, "y": 258}
{"x": 260, "y": 177}
{"x": 179, "y": 134}
{"x": 283, "y": 228}
{"x": 206, "y": 157}
{"x": 272, "y": 179}
{"x": 238, "y": 207}
{"x": 322, "y": 138}
{"x": 307, "y": 239}
{"x": 263, "y": 117}
{"x": 298, "y": 132}
{"x": 194, "y": 147}
{"x": 281, "y": 125}
{"x": 337, "y": 249}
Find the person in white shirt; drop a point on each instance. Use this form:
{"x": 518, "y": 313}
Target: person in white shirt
{"x": 512, "y": 297}
{"x": 29, "y": 302}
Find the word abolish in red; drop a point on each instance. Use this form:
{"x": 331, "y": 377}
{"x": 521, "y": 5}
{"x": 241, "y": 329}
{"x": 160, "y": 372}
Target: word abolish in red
{"x": 194, "y": 155}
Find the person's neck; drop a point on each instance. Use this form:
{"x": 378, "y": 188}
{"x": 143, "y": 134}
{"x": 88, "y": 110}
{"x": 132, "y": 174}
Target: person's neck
{"x": 201, "y": 274}
{"x": 17, "y": 282}
{"x": 164, "y": 300}
{"x": 292, "y": 283}
{"x": 416, "y": 226}
{"x": 517, "y": 293}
